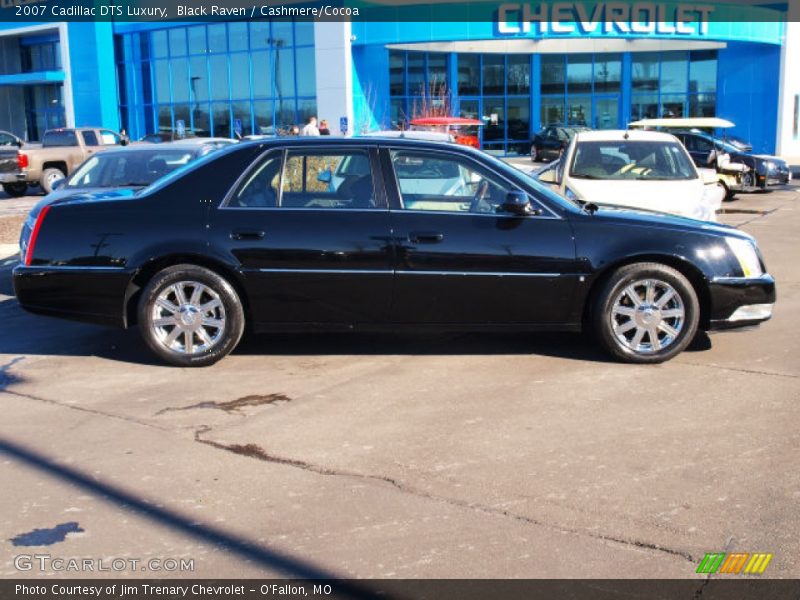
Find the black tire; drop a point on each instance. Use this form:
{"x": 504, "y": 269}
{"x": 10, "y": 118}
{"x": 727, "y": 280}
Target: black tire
{"x": 15, "y": 190}
{"x": 536, "y": 156}
{"x": 49, "y": 177}
{"x": 729, "y": 195}
{"x": 228, "y": 311}
{"x": 612, "y": 296}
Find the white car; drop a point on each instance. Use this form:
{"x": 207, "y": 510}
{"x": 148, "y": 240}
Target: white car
{"x": 637, "y": 169}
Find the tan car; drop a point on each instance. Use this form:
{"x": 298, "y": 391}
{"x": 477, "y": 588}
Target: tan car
{"x": 60, "y": 152}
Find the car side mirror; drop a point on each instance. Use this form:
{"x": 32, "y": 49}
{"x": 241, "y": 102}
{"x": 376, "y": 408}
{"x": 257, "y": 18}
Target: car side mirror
{"x": 549, "y": 175}
{"x": 517, "y": 203}
{"x": 325, "y": 176}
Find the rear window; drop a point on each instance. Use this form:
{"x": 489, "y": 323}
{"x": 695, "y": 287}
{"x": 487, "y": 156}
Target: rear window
{"x": 129, "y": 169}
{"x": 53, "y": 139}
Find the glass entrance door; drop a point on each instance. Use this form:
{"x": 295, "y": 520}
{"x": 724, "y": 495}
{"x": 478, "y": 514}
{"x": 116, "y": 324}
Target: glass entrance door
{"x": 605, "y": 113}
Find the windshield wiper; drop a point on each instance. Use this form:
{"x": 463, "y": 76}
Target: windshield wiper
{"x": 585, "y": 176}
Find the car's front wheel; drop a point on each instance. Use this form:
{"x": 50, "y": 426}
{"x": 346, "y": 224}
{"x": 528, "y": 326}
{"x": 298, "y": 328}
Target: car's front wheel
{"x": 49, "y": 178}
{"x": 535, "y": 154}
{"x": 646, "y": 313}
{"x": 190, "y": 316}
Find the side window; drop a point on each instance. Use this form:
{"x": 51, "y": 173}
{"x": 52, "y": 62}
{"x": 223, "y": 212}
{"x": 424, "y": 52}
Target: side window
{"x": 441, "y": 182}
{"x": 110, "y": 138}
{"x": 325, "y": 179}
{"x": 7, "y": 140}
{"x": 702, "y": 145}
{"x": 260, "y": 189}
{"x": 89, "y": 138}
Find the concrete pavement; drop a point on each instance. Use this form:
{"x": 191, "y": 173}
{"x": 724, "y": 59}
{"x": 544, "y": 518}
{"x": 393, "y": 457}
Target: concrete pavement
{"x": 408, "y": 456}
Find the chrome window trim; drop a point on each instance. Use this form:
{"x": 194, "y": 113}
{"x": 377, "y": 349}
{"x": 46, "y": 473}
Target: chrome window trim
{"x": 512, "y": 184}
{"x": 407, "y": 272}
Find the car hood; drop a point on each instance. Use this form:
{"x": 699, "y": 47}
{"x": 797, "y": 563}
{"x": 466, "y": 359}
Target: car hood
{"x": 682, "y": 197}
{"x": 83, "y": 195}
{"x": 650, "y": 218}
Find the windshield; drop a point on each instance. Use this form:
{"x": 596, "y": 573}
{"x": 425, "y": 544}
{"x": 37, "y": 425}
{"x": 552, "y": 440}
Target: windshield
{"x": 632, "y": 160}
{"x": 128, "y": 168}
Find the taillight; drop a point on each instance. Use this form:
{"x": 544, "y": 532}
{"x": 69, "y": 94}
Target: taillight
{"x": 34, "y": 235}
{"x": 22, "y": 160}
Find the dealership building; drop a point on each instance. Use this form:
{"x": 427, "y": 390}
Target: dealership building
{"x": 532, "y": 65}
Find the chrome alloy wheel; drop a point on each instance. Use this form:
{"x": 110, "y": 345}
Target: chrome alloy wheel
{"x": 188, "y": 317}
{"x": 647, "y": 316}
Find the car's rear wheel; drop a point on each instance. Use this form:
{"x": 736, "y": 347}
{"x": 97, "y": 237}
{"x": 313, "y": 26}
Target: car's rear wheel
{"x": 646, "y": 313}
{"x": 49, "y": 177}
{"x": 190, "y": 316}
{"x": 15, "y": 190}
{"x": 535, "y": 154}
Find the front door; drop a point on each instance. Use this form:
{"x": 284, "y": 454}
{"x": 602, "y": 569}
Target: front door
{"x": 459, "y": 260}
{"x": 310, "y": 230}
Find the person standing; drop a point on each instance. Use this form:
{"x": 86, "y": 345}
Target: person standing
{"x": 310, "y": 127}
{"x": 323, "y": 128}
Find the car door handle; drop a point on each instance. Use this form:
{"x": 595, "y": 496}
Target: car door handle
{"x": 425, "y": 237}
{"x": 246, "y": 235}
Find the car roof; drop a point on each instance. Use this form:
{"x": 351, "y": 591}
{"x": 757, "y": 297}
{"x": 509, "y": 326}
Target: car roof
{"x": 367, "y": 141}
{"x": 622, "y": 135}
{"x": 142, "y": 148}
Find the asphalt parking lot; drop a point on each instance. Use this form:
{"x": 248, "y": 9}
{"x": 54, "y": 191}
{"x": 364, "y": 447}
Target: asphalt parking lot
{"x": 501, "y": 456}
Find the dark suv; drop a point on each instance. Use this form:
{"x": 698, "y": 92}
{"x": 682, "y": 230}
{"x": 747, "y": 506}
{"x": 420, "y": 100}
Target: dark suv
{"x": 551, "y": 141}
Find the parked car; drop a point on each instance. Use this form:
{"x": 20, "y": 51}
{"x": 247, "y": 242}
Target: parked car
{"x": 430, "y": 236}
{"x": 764, "y": 170}
{"x": 60, "y": 152}
{"x": 551, "y": 141}
{"x": 9, "y": 139}
{"x": 639, "y": 169}
{"x": 11, "y": 177}
{"x": 130, "y": 168}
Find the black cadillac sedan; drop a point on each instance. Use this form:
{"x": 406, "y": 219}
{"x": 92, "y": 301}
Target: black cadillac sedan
{"x": 338, "y": 234}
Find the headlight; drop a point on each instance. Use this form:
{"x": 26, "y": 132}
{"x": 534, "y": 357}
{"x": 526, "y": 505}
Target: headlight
{"x": 745, "y": 253}
{"x": 769, "y": 165}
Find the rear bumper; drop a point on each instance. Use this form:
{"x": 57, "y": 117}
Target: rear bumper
{"x": 12, "y": 178}
{"x": 90, "y": 294}
{"x": 741, "y": 302}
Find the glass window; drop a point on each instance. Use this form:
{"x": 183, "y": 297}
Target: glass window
{"x": 304, "y": 33}
{"x": 702, "y": 105}
{"x": 607, "y": 73}
{"x": 242, "y": 119}
{"x": 198, "y": 83}
{"x": 161, "y": 79}
{"x": 397, "y": 113}
{"x": 674, "y": 72}
{"x": 217, "y": 38}
{"x": 181, "y": 113}
{"x": 306, "y": 72}
{"x": 284, "y": 73}
{"x": 7, "y": 139}
{"x": 180, "y": 80}
{"x": 259, "y": 34}
{"x": 437, "y": 74}
{"x": 201, "y": 120}
{"x": 416, "y": 73}
{"x": 672, "y": 106}
{"x": 165, "y": 118}
{"x": 495, "y": 119}
{"x": 441, "y": 182}
{"x": 262, "y": 112}
{"x": 579, "y": 111}
{"x": 552, "y": 111}
{"x": 469, "y": 75}
{"x": 219, "y": 77}
{"x": 260, "y": 189}
{"x": 89, "y": 138}
{"x": 493, "y": 74}
{"x": 197, "y": 39}
{"x": 222, "y": 119}
{"x": 397, "y": 73}
{"x": 703, "y": 72}
{"x": 796, "y": 122}
{"x": 552, "y": 74}
{"x": 645, "y": 72}
{"x": 262, "y": 74}
{"x": 158, "y": 44}
{"x": 237, "y": 36}
{"x": 282, "y": 33}
{"x": 306, "y": 109}
{"x": 327, "y": 180}
{"x": 644, "y": 106}
{"x": 519, "y": 74}
{"x": 519, "y": 119}
{"x": 240, "y": 76}
{"x": 177, "y": 41}
{"x": 606, "y": 112}
{"x": 579, "y": 74}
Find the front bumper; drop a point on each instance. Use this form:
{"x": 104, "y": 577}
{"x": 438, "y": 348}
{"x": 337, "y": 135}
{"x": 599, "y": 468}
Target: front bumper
{"x": 741, "y": 302}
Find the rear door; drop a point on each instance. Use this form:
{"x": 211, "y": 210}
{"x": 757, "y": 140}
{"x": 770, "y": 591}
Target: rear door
{"x": 310, "y": 229}
{"x": 462, "y": 260}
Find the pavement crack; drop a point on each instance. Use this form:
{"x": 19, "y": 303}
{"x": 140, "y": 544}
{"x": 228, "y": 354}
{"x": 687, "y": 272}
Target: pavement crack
{"x": 740, "y": 370}
{"x": 232, "y": 405}
{"x": 81, "y": 409}
{"x": 257, "y": 452}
